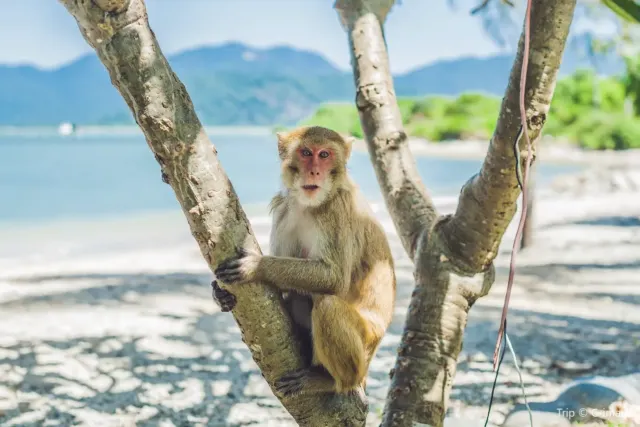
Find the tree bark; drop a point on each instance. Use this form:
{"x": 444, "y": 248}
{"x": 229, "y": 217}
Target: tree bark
{"x": 529, "y": 229}
{"x": 119, "y": 32}
{"x": 453, "y": 255}
{"x": 405, "y": 195}
{"x": 487, "y": 202}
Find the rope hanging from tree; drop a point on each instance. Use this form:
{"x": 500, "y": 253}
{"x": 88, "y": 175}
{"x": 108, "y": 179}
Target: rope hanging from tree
{"x": 522, "y": 177}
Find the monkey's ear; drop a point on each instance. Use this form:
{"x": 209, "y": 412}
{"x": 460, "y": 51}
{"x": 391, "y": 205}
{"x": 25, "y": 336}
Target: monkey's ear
{"x": 348, "y": 144}
{"x": 283, "y": 141}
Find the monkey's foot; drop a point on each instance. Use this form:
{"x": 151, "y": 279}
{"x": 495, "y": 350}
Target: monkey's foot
{"x": 292, "y": 383}
{"x": 225, "y": 299}
{"x": 360, "y": 394}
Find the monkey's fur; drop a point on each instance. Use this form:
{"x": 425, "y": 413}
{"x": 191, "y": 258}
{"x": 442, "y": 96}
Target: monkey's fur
{"x": 331, "y": 259}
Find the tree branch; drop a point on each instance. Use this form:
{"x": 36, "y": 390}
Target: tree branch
{"x": 453, "y": 255}
{"x": 485, "y": 3}
{"x": 405, "y": 195}
{"x": 432, "y": 338}
{"x": 119, "y": 32}
{"x": 487, "y": 202}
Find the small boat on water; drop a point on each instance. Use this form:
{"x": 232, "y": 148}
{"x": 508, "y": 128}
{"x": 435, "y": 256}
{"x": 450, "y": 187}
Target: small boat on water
{"x": 66, "y": 129}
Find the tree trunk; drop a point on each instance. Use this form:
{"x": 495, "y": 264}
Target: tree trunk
{"x": 119, "y": 32}
{"x": 528, "y": 230}
{"x": 453, "y": 254}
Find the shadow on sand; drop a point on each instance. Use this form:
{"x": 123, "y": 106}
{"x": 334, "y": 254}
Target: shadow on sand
{"x": 205, "y": 374}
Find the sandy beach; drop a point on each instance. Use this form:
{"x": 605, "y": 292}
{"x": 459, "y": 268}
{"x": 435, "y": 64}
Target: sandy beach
{"x": 549, "y": 151}
{"x": 113, "y": 324}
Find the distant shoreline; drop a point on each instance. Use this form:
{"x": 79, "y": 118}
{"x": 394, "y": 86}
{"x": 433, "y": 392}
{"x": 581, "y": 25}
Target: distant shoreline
{"x": 125, "y": 130}
{"x": 548, "y": 152}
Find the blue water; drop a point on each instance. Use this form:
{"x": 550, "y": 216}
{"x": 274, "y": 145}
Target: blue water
{"x": 49, "y": 178}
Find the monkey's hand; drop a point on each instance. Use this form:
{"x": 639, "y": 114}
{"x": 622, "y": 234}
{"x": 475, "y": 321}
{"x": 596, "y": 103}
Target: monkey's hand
{"x": 225, "y": 299}
{"x": 241, "y": 268}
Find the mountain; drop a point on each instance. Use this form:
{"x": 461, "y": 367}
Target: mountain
{"x": 237, "y": 57}
{"x": 490, "y": 75}
{"x": 235, "y": 84}
{"x": 231, "y": 84}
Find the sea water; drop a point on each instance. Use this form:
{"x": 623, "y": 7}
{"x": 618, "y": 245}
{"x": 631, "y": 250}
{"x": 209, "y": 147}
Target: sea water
{"x": 55, "y": 188}
{"x": 46, "y": 178}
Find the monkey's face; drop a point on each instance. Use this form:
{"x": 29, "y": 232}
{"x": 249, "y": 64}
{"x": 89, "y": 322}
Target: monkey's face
{"x": 313, "y": 170}
{"x": 313, "y": 163}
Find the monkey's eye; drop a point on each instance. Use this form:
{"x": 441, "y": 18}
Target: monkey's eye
{"x": 324, "y": 154}
{"x": 306, "y": 152}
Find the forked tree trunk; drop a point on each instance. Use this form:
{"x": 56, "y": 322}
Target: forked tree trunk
{"x": 119, "y": 32}
{"x": 453, "y": 254}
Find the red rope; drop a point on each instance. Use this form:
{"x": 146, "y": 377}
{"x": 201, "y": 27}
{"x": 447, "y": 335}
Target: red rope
{"x": 523, "y": 215}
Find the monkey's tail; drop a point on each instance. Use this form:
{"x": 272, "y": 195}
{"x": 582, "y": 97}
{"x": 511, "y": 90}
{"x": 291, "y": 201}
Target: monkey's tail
{"x": 376, "y": 325}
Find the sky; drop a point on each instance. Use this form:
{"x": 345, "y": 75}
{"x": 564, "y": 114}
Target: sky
{"x": 43, "y": 33}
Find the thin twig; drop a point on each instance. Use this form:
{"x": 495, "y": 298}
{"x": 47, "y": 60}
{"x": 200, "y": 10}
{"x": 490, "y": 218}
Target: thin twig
{"x": 485, "y": 3}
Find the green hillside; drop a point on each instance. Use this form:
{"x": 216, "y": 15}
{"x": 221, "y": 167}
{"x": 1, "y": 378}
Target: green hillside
{"x": 584, "y": 111}
{"x": 235, "y": 84}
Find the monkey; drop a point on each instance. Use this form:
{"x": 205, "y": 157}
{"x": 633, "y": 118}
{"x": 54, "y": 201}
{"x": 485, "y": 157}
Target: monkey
{"x": 331, "y": 260}
{"x": 225, "y": 299}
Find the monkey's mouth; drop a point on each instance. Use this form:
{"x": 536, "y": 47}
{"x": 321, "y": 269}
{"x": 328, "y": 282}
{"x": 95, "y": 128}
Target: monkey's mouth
{"x": 310, "y": 187}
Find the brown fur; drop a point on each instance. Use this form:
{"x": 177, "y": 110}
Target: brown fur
{"x": 330, "y": 257}
{"x": 352, "y": 283}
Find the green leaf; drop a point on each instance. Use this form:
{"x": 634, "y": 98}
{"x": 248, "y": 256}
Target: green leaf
{"x": 628, "y": 10}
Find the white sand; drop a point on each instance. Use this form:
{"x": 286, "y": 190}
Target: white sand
{"x": 549, "y": 151}
{"x": 112, "y": 324}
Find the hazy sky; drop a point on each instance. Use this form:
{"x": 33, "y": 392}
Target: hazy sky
{"x": 42, "y": 32}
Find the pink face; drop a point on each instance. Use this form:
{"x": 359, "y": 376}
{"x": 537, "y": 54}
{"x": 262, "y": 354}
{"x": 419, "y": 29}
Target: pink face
{"x": 316, "y": 164}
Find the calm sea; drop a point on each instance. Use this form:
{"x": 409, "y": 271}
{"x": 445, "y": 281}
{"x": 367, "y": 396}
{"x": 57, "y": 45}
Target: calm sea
{"x": 45, "y": 178}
